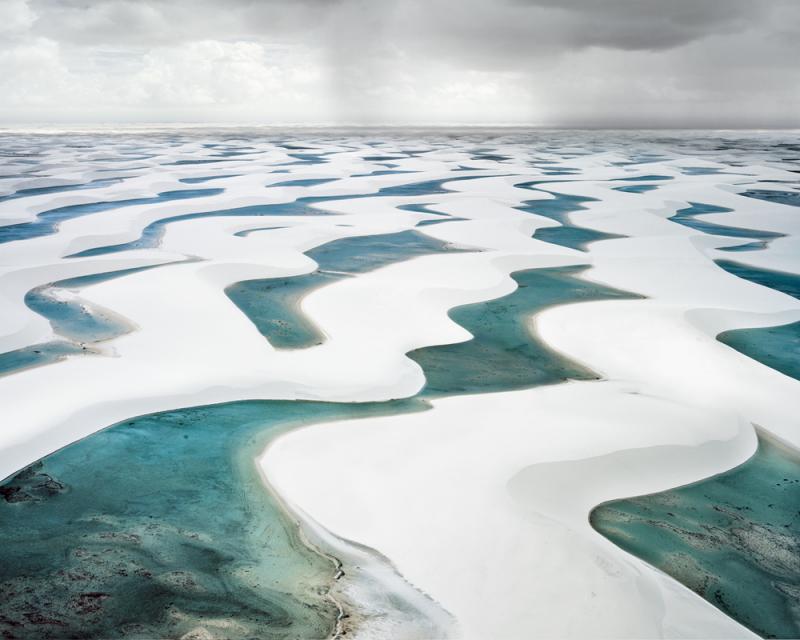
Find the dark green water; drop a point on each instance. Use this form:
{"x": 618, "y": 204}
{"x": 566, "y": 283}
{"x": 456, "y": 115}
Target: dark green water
{"x": 46, "y": 223}
{"x": 781, "y": 197}
{"x": 558, "y": 208}
{"x": 77, "y": 322}
{"x": 572, "y": 236}
{"x": 777, "y": 347}
{"x": 688, "y": 218}
{"x": 73, "y": 318}
{"x": 637, "y": 188}
{"x": 788, "y": 283}
{"x": 160, "y": 525}
{"x": 747, "y": 246}
{"x": 38, "y": 191}
{"x": 273, "y": 304}
{"x": 37, "y": 355}
{"x": 151, "y": 235}
{"x": 734, "y": 538}
{"x": 504, "y": 354}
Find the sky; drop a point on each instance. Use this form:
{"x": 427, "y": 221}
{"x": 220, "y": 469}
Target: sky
{"x": 587, "y": 63}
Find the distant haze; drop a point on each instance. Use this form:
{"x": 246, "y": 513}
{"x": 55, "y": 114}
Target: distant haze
{"x": 616, "y": 63}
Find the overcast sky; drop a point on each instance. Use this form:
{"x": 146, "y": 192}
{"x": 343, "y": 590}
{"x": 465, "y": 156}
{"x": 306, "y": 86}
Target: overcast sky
{"x": 716, "y": 63}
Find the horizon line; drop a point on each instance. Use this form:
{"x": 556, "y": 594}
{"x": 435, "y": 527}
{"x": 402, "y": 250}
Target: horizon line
{"x": 21, "y": 127}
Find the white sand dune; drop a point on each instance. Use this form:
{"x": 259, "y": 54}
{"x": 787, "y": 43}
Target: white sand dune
{"x": 492, "y": 481}
{"x": 482, "y": 501}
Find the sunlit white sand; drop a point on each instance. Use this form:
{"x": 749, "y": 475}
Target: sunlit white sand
{"x": 482, "y": 502}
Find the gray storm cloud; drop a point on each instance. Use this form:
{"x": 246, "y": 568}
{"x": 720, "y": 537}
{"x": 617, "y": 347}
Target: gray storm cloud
{"x": 550, "y": 62}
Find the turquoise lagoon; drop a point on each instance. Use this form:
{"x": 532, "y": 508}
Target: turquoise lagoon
{"x": 303, "y": 206}
{"x": 79, "y": 324}
{"x": 47, "y": 222}
{"x": 558, "y": 208}
{"x": 160, "y": 525}
{"x": 273, "y": 304}
{"x": 504, "y": 353}
{"x": 687, "y": 217}
{"x": 734, "y": 539}
{"x": 777, "y": 347}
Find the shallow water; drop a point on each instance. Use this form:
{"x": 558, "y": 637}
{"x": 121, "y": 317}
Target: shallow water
{"x": 273, "y": 304}
{"x": 687, "y": 217}
{"x": 734, "y": 538}
{"x": 781, "y": 197}
{"x": 558, "y": 208}
{"x": 637, "y": 188}
{"x": 38, "y": 191}
{"x": 38, "y": 355}
{"x": 782, "y": 281}
{"x": 777, "y": 347}
{"x": 152, "y": 233}
{"x": 186, "y": 537}
{"x": 77, "y": 322}
{"x": 47, "y": 222}
{"x": 505, "y": 353}
{"x": 74, "y": 318}
{"x": 747, "y": 246}
{"x": 160, "y": 525}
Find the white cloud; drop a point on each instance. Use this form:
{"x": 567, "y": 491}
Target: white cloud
{"x": 33, "y": 74}
{"x": 15, "y": 16}
{"x": 417, "y": 61}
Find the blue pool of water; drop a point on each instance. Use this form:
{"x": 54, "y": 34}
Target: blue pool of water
{"x": 558, "y": 208}
{"x": 770, "y": 195}
{"x": 37, "y": 191}
{"x": 747, "y": 246}
{"x": 151, "y": 235}
{"x": 687, "y": 217}
{"x": 787, "y": 283}
{"x": 700, "y": 171}
{"x": 202, "y": 179}
{"x": 47, "y": 222}
{"x": 273, "y": 304}
{"x": 38, "y": 355}
{"x": 645, "y": 178}
{"x": 186, "y": 537}
{"x": 427, "y": 223}
{"x": 306, "y": 182}
{"x": 160, "y": 525}
{"x": 734, "y": 539}
{"x": 777, "y": 347}
{"x": 77, "y": 322}
{"x": 637, "y": 188}
{"x": 74, "y": 319}
{"x": 504, "y": 353}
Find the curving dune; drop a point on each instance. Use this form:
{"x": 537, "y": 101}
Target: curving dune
{"x": 452, "y": 352}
